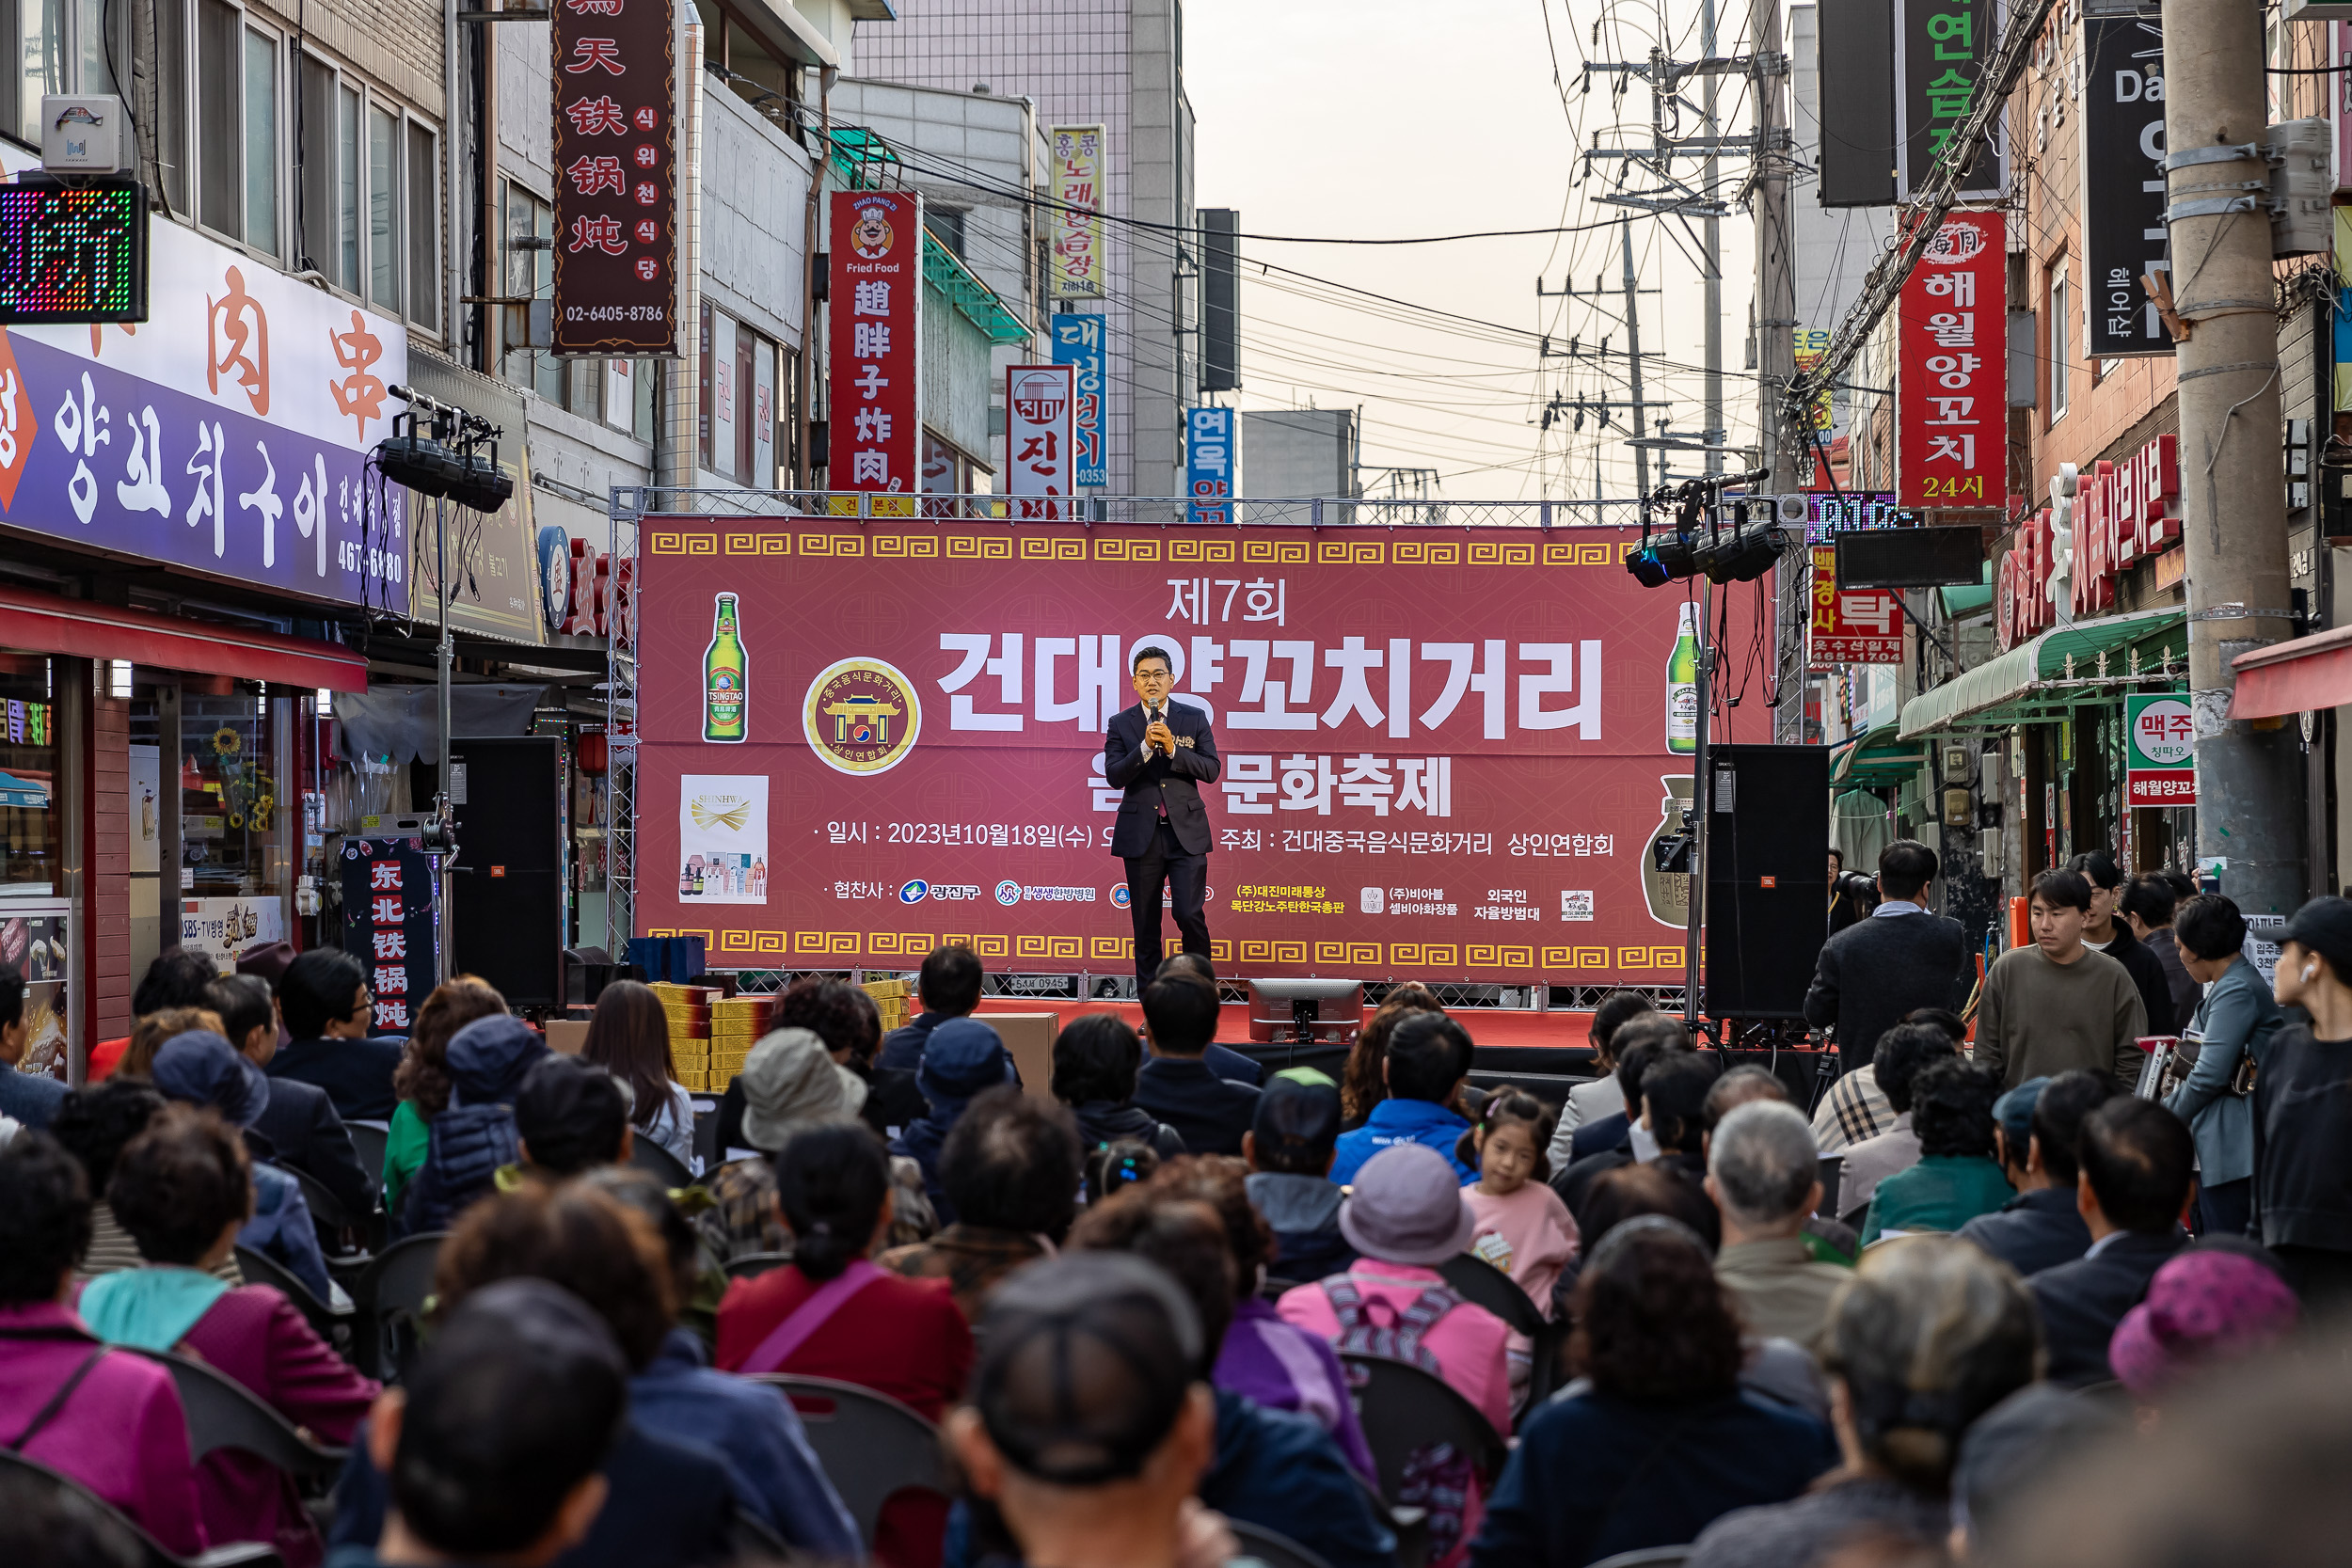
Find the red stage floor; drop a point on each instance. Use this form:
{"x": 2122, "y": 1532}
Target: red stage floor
{"x": 1487, "y": 1027}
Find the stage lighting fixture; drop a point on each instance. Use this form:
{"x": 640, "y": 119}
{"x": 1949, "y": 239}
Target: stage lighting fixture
{"x": 1744, "y": 554}
{"x": 421, "y": 463}
{"x": 482, "y": 484}
{"x": 1663, "y": 561}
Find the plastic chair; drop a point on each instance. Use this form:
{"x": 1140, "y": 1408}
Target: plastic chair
{"x": 870, "y": 1445}
{"x": 332, "y": 1323}
{"x": 225, "y": 1414}
{"x": 648, "y": 1156}
{"x": 1832, "y": 1170}
{"x": 353, "y": 1235}
{"x": 1404, "y": 1409}
{"x": 391, "y": 1294}
{"x": 368, "y": 1139}
{"x": 1646, "y": 1556}
{"x": 750, "y": 1265}
{"x": 1271, "y": 1548}
{"x": 1481, "y": 1284}
{"x": 110, "y": 1521}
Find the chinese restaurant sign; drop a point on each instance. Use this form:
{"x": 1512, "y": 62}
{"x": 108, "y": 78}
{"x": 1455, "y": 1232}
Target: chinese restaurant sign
{"x": 1851, "y": 626}
{"x": 1446, "y": 751}
{"x": 616, "y": 149}
{"x": 1078, "y": 344}
{"x": 2162, "y": 768}
{"x": 875, "y": 302}
{"x": 1037, "y": 435}
{"x": 1077, "y": 215}
{"x": 388, "y": 925}
{"x": 228, "y": 434}
{"x": 1952, "y": 378}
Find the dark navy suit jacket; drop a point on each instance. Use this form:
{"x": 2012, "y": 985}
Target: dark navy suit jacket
{"x": 1153, "y": 777}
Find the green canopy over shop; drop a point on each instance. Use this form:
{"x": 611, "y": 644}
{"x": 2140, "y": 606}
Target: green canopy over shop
{"x": 2065, "y": 668}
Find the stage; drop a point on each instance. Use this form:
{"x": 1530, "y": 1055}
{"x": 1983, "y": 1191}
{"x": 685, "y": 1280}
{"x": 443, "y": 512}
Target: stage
{"x": 1489, "y": 1026}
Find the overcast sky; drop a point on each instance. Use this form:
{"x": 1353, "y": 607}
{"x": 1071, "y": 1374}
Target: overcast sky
{"x": 1384, "y": 118}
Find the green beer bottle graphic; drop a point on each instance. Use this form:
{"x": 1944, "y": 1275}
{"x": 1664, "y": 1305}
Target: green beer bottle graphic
{"x": 1682, "y": 684}
{"x": 724, "y": 667}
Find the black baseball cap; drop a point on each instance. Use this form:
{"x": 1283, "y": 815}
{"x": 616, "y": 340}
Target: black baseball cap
{"x": 1085, "y": 1365}
{"x": 1298, "y": 1115}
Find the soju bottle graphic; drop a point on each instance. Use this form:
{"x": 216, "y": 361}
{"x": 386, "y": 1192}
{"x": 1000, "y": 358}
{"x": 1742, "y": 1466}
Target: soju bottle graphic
{"x": 723, "y": 666}
{"x": 1682, "y": 684}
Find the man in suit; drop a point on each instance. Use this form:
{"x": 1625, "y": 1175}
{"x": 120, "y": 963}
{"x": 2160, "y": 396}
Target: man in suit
{"x": 2137, "y": 1158}
{"x": 324, "y": 1003}
{"x": 298, "y": 1121}
{"x": 1901, "y": 958}
{"x": 1160, "y": 752}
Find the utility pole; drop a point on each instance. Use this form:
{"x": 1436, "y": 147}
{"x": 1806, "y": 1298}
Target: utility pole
{"x": 1711, "y": 251}
{"x": 1634, "y": 352}
{"x": 2247, "y": 780}
{"x": 1777, "y": 351}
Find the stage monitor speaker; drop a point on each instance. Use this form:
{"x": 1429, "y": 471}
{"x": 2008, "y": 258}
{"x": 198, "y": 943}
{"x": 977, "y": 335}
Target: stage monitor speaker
{"x": 1767, "y": 876}
{"x": 509, "y": 905}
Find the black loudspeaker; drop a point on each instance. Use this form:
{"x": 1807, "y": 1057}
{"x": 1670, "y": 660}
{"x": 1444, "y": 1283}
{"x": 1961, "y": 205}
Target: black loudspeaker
{"x": 508, "y": 893}
{"x": 1767, "y": 876}
{"x": 1911, "y": 558}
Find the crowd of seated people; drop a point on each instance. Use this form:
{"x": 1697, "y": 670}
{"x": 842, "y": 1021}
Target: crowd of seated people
{"x": 1138, "y": 1303}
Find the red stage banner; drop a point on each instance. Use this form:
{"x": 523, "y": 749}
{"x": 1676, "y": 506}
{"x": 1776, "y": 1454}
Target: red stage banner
{"x": 1445, "y": 750}
{"x": 875, "y": 303}
{"x": 1952, "y": 376}
{"x": 615, "y": 84}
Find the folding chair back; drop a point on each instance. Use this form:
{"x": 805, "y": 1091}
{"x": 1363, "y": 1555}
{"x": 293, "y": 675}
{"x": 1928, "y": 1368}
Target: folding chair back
{"x": 225, "y": 1414}
{"x": 870, "y": 1445}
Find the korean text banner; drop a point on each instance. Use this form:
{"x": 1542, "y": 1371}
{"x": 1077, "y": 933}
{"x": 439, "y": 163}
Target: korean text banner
{"x": 1851, "y": 626}
{"x": 615, "y": 153}
{"x": 1445, "y": 750}
{"x": 2124, "y": 236}
{"x": 229, "y": 433}
{"x": 1952, "y": 376}
{"x": 1078, "y": 344}
{"x": 877, "y": 335}
{"x": 1077, "y": 216}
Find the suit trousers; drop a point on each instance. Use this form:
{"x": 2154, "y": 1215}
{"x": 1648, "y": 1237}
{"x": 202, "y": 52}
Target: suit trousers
{"x": 1187, "y": 876}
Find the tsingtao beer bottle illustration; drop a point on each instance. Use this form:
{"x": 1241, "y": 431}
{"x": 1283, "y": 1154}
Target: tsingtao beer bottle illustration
{"x": 1682, "y": 684}
{"x": 725, "y": 718}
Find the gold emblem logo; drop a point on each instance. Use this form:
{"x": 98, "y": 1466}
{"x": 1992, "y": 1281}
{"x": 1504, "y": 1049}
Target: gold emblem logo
{"x": 862, "y": 715}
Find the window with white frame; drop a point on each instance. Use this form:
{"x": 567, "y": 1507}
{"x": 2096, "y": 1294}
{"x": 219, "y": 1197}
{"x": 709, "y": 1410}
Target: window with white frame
{"x": 60, "y": 46}
{"x": 2062, "y": 354}
{"x": 289, "y": 155}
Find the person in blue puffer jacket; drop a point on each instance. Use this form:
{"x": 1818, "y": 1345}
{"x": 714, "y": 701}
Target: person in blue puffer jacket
{"x": 961, "y": 1057}
{"x": 487, "y": 1062}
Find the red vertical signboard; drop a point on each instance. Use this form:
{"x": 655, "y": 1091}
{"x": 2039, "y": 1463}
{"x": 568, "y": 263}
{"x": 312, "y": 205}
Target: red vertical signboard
{"x": 876, "y": 299}
{"x": 615, "y": 73}
{"x": 1953, "y": 380}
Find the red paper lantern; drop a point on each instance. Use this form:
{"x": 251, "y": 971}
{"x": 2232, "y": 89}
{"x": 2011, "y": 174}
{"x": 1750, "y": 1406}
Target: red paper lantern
{"x": 591, "y": 753}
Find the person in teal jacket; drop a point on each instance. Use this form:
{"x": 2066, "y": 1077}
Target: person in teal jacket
{"x": 1429, "y": 1055}
{"x": 2237, "y": 1020}
{"x": 1955, "y": 1178}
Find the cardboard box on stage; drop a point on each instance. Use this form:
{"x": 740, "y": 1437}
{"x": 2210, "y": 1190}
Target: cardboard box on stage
{"x": 1031, "y": 1039}
{"x": 567, "y": 1034}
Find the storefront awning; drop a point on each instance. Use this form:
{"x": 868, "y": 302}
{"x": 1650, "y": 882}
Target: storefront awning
{"x": 1873, "y": 760}
{"x": 2035, "y": 681}
{"x": 2308, "y": 672}
{"x": 47, "y": 623}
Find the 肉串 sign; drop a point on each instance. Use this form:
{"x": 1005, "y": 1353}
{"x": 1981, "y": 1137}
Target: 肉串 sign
{"x": 2161, "y": 769}
{"x": 616, "y": 153}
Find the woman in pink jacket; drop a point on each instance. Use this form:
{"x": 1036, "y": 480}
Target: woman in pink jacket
{"x": 110, "y": 1419}
{"x": 182, "y": 1188}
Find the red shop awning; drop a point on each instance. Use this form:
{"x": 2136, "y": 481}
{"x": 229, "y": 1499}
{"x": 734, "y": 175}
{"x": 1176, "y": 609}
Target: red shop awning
{"x": 2290, "y": 677}
{"x": 47, "y": 623}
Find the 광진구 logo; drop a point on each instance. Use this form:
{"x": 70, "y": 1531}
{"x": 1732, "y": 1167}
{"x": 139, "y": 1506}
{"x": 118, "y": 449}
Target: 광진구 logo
{"x": 915, "y": 891}
{"x": 861, "y": 716}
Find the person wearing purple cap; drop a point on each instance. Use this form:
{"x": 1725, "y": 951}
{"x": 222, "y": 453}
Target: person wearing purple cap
{"x": 2302, "y": 1104}
{"x": 1406, "y": 1216}
{"x": 2209, "y": 1305}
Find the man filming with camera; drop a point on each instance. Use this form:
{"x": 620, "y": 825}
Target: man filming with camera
{"x": 1898, "y": 959}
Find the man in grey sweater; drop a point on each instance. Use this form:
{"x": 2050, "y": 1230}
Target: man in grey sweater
{"x": 2060, "y": 1006}
{"x": 1901, "y": 958}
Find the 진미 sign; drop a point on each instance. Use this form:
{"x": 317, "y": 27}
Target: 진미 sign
{"x": 616, "y": 153}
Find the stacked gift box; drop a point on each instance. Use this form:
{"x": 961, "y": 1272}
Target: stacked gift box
{"x": 688, "y": 1012}
{"x": 737, "y": 1023}
{"x": 893, "y": 1000}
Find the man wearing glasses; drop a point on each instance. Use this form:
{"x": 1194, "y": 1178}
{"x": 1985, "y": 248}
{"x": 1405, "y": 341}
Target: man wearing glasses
{"x": 1160, "y": 752}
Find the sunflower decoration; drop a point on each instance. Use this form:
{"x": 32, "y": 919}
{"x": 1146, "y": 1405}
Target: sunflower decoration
{"x": 262, "y": 809}
{"x": 236, "y": 819}
{"x": 227, "y": 742}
